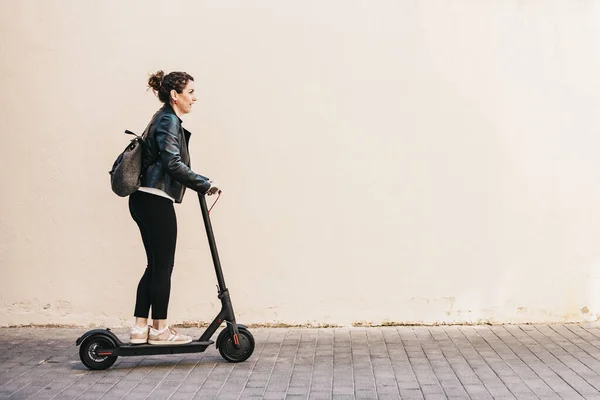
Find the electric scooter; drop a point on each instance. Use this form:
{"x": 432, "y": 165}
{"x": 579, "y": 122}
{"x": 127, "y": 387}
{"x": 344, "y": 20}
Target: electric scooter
{"x": 99, "y": 348}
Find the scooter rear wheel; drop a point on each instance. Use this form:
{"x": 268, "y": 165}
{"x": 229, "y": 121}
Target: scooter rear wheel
{"x": 227, "y": 346}
{"x": 88, "y": 352}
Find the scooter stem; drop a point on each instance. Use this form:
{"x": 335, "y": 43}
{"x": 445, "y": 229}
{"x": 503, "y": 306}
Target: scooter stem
{"x": 212, "y": 244}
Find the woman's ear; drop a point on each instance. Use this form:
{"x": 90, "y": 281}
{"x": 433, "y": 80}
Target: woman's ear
{"x": 173, "y": 94}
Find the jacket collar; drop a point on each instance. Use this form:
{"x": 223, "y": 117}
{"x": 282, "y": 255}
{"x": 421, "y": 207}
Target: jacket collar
{"x": 168, "y": 109}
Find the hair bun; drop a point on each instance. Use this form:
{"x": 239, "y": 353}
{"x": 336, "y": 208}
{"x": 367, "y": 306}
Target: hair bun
{"x": 155, "y": 80}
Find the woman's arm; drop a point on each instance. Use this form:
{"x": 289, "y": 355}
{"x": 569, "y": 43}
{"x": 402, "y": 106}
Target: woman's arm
{"x": 167, "y": 140}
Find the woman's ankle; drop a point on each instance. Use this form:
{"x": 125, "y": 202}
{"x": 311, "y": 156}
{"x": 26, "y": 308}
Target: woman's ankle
{"x": 141, "y": 322}
{"x": 159, "y": 324}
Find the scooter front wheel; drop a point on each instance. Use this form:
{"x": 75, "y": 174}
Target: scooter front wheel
{"x": 89, "y": 349}
{"x": 227, "y": 345}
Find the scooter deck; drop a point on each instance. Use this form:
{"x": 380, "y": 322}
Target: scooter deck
{"x": 127, "y": 349}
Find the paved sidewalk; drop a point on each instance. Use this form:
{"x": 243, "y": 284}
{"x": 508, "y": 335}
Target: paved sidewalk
{"x": 442, "y": 362}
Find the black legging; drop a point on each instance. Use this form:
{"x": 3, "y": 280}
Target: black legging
{"x": 156, "y": 219}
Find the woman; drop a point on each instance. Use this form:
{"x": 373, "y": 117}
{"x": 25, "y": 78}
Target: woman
{"x": 166, "y": 174}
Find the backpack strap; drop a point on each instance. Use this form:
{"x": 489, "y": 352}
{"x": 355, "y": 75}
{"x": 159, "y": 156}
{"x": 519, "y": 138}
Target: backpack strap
{"x": 131, "y": 133}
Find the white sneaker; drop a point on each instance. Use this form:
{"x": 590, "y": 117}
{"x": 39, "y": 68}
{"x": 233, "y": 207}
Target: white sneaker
{"x": 138, "y": 335}
{"x": 167, "y": 336}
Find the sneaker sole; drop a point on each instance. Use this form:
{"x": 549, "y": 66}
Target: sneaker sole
{"x": 167, "y": 343}
{"x": 138, "y": 341}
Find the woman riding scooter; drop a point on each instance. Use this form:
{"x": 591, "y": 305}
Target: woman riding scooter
{"x": 165, "y": 175}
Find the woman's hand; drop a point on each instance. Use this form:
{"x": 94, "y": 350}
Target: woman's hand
{"x": 213, "y": 188}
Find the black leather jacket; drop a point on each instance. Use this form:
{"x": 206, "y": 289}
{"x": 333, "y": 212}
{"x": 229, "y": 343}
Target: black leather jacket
{"x": 166, "y": 159}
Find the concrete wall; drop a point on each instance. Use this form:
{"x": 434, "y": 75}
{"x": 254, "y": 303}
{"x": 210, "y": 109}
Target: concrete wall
{"x": 382, "y": 161}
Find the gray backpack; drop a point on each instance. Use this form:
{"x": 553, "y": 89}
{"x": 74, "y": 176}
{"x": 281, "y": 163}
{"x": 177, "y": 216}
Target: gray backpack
{"x": 127, "y": 168}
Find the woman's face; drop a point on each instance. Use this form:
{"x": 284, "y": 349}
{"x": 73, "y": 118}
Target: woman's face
{"x": 182, "y": 102}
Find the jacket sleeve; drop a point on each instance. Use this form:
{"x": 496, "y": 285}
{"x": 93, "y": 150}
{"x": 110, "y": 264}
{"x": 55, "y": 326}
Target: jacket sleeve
{"x": 167, "y": 140}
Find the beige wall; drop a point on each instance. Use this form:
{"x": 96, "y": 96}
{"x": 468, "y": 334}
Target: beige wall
{"x": 400, "y": 161}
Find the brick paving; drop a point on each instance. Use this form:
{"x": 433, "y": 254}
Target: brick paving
{"x": 557, "y": 361}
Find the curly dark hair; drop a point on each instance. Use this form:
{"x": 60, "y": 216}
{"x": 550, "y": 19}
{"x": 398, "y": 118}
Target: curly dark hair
{"x": 162, "y": 84}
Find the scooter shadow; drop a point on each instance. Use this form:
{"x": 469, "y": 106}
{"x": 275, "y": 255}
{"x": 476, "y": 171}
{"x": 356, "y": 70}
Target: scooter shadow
{"x": 149, "y": 363}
